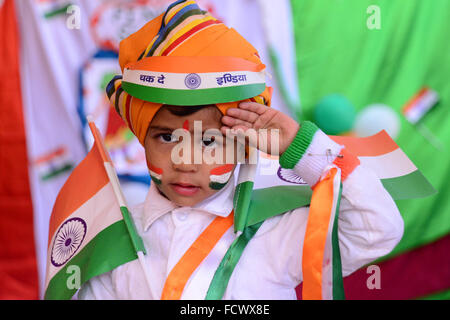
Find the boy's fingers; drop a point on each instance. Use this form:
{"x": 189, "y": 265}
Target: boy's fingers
{"x": 224, "y": 130}
{"x": 245, "y": 115}
{"x": 231, "y": 122}
{"x": 239, "y": 131}
{"x": 253, "y": 106}
{"x": 234, "y": 130}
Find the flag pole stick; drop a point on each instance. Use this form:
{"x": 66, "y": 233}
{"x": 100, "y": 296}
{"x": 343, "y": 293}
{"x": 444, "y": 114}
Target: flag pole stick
{"x": 114, "y": 180}
{"x": 427, "y": 134}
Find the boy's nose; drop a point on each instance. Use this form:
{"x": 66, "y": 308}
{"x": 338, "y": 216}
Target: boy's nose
{"x": 185, "y": 164}
{"x": 184, "y": 167}
{"x": 187, "y": 157}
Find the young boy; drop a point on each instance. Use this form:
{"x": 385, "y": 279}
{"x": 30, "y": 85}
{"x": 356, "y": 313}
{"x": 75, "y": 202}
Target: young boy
{"x": 187, "y": 218}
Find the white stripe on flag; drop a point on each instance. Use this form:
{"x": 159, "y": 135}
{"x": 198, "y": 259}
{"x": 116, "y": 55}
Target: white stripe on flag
{"x": 422, "y": 106}
{"x": 389, "y": 165}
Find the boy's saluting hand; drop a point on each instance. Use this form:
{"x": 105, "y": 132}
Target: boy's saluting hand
{"x": 252, "y": 115}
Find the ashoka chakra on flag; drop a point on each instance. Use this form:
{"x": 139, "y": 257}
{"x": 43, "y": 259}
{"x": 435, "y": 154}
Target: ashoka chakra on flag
{"x": 289, "y": 175}
{"x": 68, "y": 240}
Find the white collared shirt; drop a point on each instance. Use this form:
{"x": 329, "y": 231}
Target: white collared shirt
{"x": 370, "y": 226}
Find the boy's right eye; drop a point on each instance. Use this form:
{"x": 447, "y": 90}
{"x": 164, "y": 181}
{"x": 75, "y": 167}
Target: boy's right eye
{"x": 167, "y": 138}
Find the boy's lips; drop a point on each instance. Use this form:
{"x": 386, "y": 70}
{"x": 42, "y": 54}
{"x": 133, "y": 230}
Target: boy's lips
{"x": 185, "y": 189}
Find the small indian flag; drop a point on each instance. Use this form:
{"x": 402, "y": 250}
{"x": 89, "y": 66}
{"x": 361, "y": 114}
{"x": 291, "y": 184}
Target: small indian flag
{"x": 420, "y": 104}
{"x": 91, "y": 231}
{"x": 54, "y": 163}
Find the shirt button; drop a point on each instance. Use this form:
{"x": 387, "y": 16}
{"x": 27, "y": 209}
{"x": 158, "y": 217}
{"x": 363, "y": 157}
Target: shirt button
{"x": 182, "y": 216}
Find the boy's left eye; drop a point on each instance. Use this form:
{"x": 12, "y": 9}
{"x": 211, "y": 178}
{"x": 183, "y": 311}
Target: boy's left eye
{"x": 208, "y": 142}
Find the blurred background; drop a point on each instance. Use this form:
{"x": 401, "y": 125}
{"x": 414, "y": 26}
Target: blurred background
{"x": 354, "y": 67}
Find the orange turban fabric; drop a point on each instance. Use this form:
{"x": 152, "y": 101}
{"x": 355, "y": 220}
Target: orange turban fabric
{"x": 184, "y": 57}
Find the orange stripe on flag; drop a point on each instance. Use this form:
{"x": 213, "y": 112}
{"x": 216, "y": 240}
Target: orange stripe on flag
{"x": 376, "y": 145}
{"x": 415, "y": 99}
{"x": 316, "y": 235}
{"x": 91, "y": 175}
{"x": 193, "y": 257}
{"x": 56, "y": 153}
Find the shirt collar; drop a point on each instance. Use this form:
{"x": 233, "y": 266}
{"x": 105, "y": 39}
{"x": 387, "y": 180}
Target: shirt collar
{"x": 156, "y": 205}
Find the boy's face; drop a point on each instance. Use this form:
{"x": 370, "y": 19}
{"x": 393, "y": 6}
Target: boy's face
{"x": 181, "y": 179}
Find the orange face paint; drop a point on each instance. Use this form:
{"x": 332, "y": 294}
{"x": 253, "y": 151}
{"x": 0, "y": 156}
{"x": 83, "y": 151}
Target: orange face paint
{"x": 186, "y": 125}
{"x": 155, "y": 173}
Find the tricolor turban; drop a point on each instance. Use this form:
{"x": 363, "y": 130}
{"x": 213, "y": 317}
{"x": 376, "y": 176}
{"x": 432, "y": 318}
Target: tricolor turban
{"x": 184, "y": 57}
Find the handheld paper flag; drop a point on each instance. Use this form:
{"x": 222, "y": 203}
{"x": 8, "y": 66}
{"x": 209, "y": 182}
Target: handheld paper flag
{"x": 90, "y": 232}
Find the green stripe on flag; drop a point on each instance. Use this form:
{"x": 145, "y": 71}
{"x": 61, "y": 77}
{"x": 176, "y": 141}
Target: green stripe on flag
{"x": 241, "y": 203}
{"x": 272, "y": 201}
{"x": 193, "y": 97}
{"x": 338, "y": 282}
{"x": 444, "y": 295}
{"x": 410, "y": 186}
{"x": 135, "y": 238}
{"x": 57, "y": 11}
{"x": 109, "y": 249}
{"x": 57, "y": 172}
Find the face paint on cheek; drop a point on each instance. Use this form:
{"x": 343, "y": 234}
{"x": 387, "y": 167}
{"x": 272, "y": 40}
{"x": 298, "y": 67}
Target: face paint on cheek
{"x": 218, "y": 177}
{"x": 155, "y": 173}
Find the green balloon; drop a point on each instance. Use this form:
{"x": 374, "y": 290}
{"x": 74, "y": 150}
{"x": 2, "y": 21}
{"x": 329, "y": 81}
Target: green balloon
{"x": 334, "y": 114}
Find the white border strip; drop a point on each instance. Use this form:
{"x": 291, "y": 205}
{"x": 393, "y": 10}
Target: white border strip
{"x": 185, "y": 81}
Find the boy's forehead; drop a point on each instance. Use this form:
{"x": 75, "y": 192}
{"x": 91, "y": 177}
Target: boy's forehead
{"x": 210, "y": 117}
